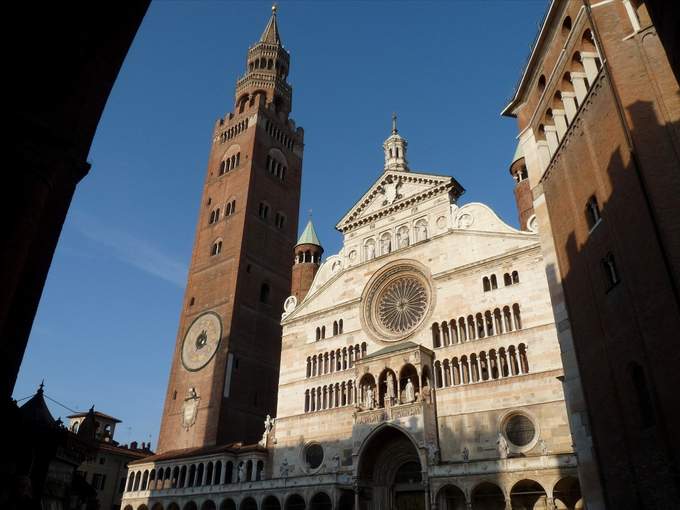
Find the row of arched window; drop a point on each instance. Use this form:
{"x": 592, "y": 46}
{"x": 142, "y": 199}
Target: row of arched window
{"x": 202, "y": 474}
{"x": 386, "y": 243}
{"x": 309, "y": 256}
{"x": 276, "y": 168}
{"x": 338, "y": 325}
{"x": 335, "y": 361}
{"x": 482, "y": 366}
{"x": 278, "y": 135}
{"x": 268, "y": 64}
{"x": 216, "y": 214}
{"x": 330, "y": 396}
{"x": 230, "y": 163}
{"x": 491, "y": 282}
{"x": 230, "y": 133}
{"x": 472, "y": 327}
{"x": 570, "y": 93}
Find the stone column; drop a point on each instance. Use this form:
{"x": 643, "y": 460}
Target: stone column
{"x": 552, "y": 139}
{"x": 570, "y": 107}
{"x": 590, "y": 65}
{"x": 561, "y": 124}
{"x": 580, "y": 86}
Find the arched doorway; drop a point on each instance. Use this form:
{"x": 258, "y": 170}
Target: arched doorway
{"x": 567, "y": 494}
{"x": 528, "y": 495}
{"x": 390, "y": 471}
{"x": 451, "y": 497}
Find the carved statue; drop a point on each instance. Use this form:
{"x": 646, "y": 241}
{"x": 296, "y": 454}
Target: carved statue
{"x": 268, "y": 424}
{"x": 466, "y": 454}
{"x": 370, "y": 397}
{"x": 409, "y": 391}
{"x": 283, "y": 468}
{"x": 241, "y": 472}
{"x": 336, "y": 462}
{"x": 432, "y": 453}
{"x": 370, "y": 251}
{"x": 389, "y": 393}
{"x": 544, "y": 447}
{"x": 403, "y": 239}
{"x": 502, "y": 446}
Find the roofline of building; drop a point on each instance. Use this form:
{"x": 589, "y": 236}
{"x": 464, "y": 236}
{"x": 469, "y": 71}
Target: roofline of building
{"x": 508, "y": 111}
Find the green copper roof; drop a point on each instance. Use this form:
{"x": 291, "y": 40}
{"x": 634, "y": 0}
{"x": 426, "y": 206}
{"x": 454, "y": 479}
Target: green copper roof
{"x": 309, "y": 235}
{"x": 519, "y": 153}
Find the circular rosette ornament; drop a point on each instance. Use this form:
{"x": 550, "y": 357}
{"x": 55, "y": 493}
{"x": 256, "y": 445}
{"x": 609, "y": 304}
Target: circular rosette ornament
{"x": 396, "y": 301}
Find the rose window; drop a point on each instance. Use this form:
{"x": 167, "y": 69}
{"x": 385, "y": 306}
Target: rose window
{"x": 402, "y": 305}
{"x": 397, "y": 301}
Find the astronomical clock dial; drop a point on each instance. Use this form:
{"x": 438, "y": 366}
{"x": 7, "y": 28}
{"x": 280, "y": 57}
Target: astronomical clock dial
{"x": 201, "y": 341}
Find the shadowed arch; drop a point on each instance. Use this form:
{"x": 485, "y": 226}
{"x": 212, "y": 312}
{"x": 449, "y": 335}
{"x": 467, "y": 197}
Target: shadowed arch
{"x": 567, "y": 491}
{"x": 271, "y": 502}
{"x": 451, "y": 497}
{"x": 389, "y": 457}
{"x": 488, "y": 496}
{"x": 248, "y": 504}
{"x": 320, "y": 501}
{"x": 295, "y": 502}
{"x": 528, "y": 494}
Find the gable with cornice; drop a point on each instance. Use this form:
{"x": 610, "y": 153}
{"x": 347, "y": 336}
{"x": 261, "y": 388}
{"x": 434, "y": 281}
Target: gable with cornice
{"x": 396, "y": 190}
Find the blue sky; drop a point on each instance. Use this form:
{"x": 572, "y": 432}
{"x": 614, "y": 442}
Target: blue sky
{"x": 107, "y": 321}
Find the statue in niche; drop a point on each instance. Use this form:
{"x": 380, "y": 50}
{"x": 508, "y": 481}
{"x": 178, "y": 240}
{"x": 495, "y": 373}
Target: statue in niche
{"x": 370, "y": 398}
{"x": 386, "y": 245}
{"x": 370, "y": 251}
{"x": 502, "y": 446}
{"x": 336, "y": 462}
{"x": 544, "y": 447}
{"x": 403, "y": 239}
{"x": 466, "y": 454}
{"x": 409, "y": 392}
{"x": 241, "y": 472}
{"x": 389, "y": 393}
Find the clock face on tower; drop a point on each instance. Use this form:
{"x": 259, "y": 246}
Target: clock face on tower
{"x": 201, "y": 341}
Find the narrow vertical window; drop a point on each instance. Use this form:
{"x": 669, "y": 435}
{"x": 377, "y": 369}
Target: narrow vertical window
{"x": 592, "y": 212}
{"x": 611, "y": 274}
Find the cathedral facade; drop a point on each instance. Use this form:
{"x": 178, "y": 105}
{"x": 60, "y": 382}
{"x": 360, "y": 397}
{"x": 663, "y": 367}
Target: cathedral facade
{"x": 418, "y": 367}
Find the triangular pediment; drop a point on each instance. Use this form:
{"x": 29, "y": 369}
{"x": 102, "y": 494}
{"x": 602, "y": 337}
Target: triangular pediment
{"x": 394, "y": 190}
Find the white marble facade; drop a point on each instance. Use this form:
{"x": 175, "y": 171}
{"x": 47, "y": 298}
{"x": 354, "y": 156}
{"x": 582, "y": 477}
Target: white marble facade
{"x": 422, "y": 369}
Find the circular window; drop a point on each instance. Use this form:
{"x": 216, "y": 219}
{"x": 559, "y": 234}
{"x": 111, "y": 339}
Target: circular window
{"x": 396, "y": 302}
{"x": 520, "y": 430}
{"x": 313, "y": 455}
{"x": 402, "y": 305}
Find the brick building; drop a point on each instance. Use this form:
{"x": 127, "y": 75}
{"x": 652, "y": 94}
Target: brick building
{"x": 598, "y": 112}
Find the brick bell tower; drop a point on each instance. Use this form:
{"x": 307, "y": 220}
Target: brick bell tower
{"x": 308, "y": 252}
{"x": 225, "y": 368}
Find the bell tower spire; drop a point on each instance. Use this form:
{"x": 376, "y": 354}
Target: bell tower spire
{"x": 395, "y": 149}
{"x": 266, "y": 74}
